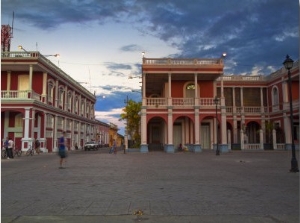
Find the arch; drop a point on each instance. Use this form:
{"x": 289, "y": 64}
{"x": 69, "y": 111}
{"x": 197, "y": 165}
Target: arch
{"x": 252, "y": 132}
{"x": 189, "y": 90}
{"x": 156, "y": 133}
{"x": 183, "y": 131}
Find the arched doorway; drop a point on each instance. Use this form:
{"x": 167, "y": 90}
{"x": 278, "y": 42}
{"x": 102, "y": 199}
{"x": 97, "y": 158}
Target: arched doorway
{"x": 156, "y": 134}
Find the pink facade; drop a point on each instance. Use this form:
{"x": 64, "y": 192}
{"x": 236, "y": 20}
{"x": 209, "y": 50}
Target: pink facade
{"x": 178, "y": 107}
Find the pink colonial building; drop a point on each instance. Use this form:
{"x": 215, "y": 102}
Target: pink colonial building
{"x": 190, "y": 102}
{"x": 40, "y": 101}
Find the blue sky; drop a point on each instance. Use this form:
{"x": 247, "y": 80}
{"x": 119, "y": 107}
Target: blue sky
{"x": 101, "y": 41}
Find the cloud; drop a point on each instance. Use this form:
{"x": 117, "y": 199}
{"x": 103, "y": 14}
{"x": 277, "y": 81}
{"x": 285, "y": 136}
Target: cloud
{"x": 117, "y": 66}
{"x": 131, "y": 48}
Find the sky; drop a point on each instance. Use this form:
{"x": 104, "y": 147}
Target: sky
{"x": 100, "y": 42}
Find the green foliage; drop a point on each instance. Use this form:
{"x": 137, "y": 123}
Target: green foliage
{"x": 131, "y": 113}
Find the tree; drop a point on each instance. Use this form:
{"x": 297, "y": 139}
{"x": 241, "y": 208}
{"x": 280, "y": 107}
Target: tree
{"x": 132, "y": 116}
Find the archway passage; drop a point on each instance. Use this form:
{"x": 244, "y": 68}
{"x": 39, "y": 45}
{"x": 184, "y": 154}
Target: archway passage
{"x": 156, "y": 134}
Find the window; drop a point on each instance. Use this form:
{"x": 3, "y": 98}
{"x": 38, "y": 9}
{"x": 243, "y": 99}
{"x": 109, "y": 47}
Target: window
{"x": 50, "y": 91}
{"x": 19, "y": 120}
{"x": 69, "y": 100}
{"x": 190, "y": 90}
{"x": 61, "y": 97}
{"x": 49, "y": 121}
{"x": 275, "y": 96}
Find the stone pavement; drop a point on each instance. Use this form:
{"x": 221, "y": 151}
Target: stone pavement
{"x": 155, "y": 187}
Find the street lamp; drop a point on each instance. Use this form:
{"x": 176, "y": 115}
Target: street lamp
{"x": 21, "y": 48}
{"x": 288, "y": 64}
{"x": 216, "y": 101}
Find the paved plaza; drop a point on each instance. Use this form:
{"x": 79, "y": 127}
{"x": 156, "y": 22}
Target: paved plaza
{"x": 238, "y": 186}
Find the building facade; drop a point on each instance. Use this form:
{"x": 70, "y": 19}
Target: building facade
{"x": 40, "y": 101}
{"x": 190, "y": 102}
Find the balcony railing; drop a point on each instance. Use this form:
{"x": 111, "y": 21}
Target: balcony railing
{"x": 20, "y": 95}
{"x": 169, "y": 61}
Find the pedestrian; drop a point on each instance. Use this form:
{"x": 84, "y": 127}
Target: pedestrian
{"x": 37, "y": 146}
{"x": 62, "y": 150}
{"x": 114, "y": 146}
{"x": 5, "y": 145}
{"x": 10, "y": 149}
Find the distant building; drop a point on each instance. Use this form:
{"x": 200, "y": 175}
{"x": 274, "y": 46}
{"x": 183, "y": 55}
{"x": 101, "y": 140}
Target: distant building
{"x": 39, "y": 100}
{"x": 179, "y": 107}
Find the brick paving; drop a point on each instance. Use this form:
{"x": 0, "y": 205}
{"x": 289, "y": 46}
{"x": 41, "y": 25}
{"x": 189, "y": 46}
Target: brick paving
{"x": 183, "y": 187}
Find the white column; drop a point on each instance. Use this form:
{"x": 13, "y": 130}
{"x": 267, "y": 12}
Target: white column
{"x": 30, "y": 77}
{"x": 261, "y": 139}
{"x": 229, "y": 139}
{"x": 197, "y": 127}
{"x": 170, "y": 127}
{"x": 242, "y": 140}
{"x": 196, "y": 90}
{"x": 144, "y": 103}
{"x": 169, "y": 90}
{"x": 44, "y": 92}
{"x": 143, "y": 127}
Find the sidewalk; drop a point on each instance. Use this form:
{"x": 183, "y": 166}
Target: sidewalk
{"x": 181, "y": 187}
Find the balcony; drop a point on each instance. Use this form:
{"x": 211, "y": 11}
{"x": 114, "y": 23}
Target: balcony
{"x": 17, "y": 95}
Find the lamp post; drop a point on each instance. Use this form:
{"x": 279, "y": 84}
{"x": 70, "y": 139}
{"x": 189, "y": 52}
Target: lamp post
{"x": 216, "y": 101}
{"x": 288, "y": 64}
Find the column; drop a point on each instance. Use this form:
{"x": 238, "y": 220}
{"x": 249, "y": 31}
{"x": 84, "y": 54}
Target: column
{"x": 223, "y": 125}
{"x": 44, "y": 92}
{"x": 169, "y": 90}
{"x": 242, "y": 140}
{"x": 30, "y": 77}
{"x": 274, "y": 139}
{"x": 26, "y": 140}
{"x": 196, "y": 89}
{"x": 169, "y": 147}
{"x": 144, "y": 99}
{"x": 235, "y": 131}
{"x": 144, "y": 145}
{"x": 44, "y": 139}
{"x": 8, "y": 80}
{"x": 287, "y": 131}
{"x": 197, "y": 147}
{"x": 261, "y": 139}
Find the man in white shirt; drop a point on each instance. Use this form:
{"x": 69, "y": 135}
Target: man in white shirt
{"x": 10, "y": 148}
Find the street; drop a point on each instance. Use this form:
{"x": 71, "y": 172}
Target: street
{"x": 238, "y": 186}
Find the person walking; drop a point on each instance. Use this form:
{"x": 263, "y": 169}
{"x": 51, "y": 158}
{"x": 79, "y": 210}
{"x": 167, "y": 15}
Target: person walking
{"x": 5, "y": 145}
{"x": 62, "y": 150}
{"x": 37, "y": 145}
{"x": 10, "y": 149}
{"x": 114, "y": 145}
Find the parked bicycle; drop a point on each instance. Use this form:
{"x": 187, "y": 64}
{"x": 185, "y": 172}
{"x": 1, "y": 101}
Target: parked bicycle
{"x": 3, "y": 153}
{"x": 17, "y": 152}
{"x": 30, "y": 151}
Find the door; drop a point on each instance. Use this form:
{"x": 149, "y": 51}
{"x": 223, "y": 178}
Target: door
{"x": 205, "y": 136}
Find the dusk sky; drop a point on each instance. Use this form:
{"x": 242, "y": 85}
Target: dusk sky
{"x": 101, "y": 41}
